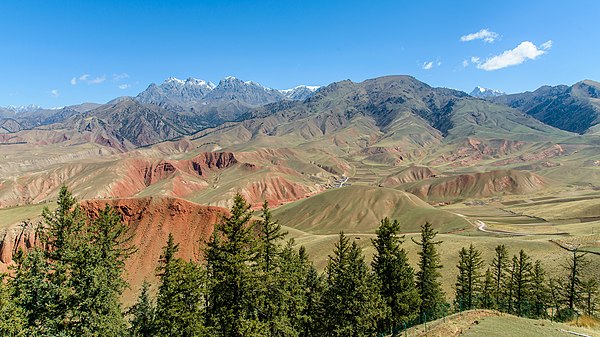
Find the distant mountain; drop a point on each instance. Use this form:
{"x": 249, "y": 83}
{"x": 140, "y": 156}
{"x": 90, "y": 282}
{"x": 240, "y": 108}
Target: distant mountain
{"x": 245, "y": 92}
{"x": 398, "y": 117}
{"x": 481, "y": 92}
{"x": 176, "y": 92}
{"x": 300, "y": 92}
{"x": 575, "y": 108}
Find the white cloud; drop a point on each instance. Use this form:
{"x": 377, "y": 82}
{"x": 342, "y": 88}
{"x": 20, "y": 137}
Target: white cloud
{"x": 427, "y": 65}
{"x": 546, "y": 45}
{"x": 120, "y": 77}
{"x": 97, "y": 80}
{"x": 475, "y": 59}
{"x": 124, "y": 86}
{"x": 54, "y": 93}
{"x": 87, "y": 79}
{"x": 484, "y": 34}
{"x": 465, "y": 63}
{"x": 523, "y": 52}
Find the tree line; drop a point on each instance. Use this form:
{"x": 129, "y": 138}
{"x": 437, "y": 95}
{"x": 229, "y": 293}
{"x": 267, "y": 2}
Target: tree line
{"x": 251, "y": 281}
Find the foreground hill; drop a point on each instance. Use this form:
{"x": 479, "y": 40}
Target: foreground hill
{"x": 358, "y": 209}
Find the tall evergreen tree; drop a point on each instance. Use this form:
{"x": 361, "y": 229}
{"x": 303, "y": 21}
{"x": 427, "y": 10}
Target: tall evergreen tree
{"x": 312, "y": 316}
{"x": 522, "y": 277}
{"x": 501, "y": 273}
{"x": 468, "y": 280}
{"x": 590, "y": 289}
{"x": 181, "y": 295}
{"x": 487, "y": 299}
{"x": 96, "y": 276}
{"x": 539, "y": 291}
{"x": 142, "y": 314}
{"x": 72, "y": 285}
{"x": 32, "y": 292}
{"x": 572, "y": 288}
{"x": 352, "y": 306}
{"x": 428, "y": 275}
{"x": 234, "y": 273}
{"x": 12, "y": 317}
{"x": 394, "y": 275}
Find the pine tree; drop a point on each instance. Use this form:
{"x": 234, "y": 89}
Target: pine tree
{"x": 501, "y": 273}
{"x": 539, "y": 292}
{"x": 522, "y": 277}
{"x": 273, "y": 283}
{"x": 142, "y": 314}
{"x": 234, "y": 273}
{"x": 352, "y": 306}
{"x": 32, "y": 292}
{"x": 181, "y": 296}
{"x": 487, "y": 290}
{"x": 468, "y": 280}
{"x": 590, "y": 289}
{"x": 96, "y": 276}
{"x": 312, "y": 322}
{"x": 572, "y": 288}
{"x": 12, "y": 316}
{"x": 72, "y": 285}
{"x": 428, "y": 284}
{"x": 394, "y": 275}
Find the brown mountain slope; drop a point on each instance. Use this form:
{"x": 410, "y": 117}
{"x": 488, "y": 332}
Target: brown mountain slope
{"x": 476, "y": 185}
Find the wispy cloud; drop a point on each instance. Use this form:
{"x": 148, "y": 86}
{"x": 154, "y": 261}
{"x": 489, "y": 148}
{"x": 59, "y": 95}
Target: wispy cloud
{"x": 484, "y": 34}
{"x": 97, "y": 80}
{"x": 427, "y": 65}
{"x": 465, "y": 63}
{"x": 54, "y": 93}
{"x": 124, "y": 86}
{"x": 120, "y": 77}
{"x": 85, "y": 78}
{"x": 526, "y": 50}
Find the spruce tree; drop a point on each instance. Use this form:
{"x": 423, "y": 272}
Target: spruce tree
{"x": 539, "y": 293}
{"x": 273, "y": 283}
{"x": 142, "y": 314}
{"x": 394, "y": 275}
{"x": 522, "y": 282}
{"x": 13, "y": 321}
{"x": 234, "y": 274}
{"x": 468, "y": 280}
{"x": 181, "y": 296}
{"x": 428, "y": 275}
{"x": 71, "y": 286}
{"x": 501, "y": 274}
{"x": 312, "y": 317}
{"x": 487, "y": 290}
{"x": 97, "y": 276}
{"x": 572, "y": 288}
{"x": 32, "y": 292}
{"x": 590, "y": 289}
{"x": 351, "y": 304}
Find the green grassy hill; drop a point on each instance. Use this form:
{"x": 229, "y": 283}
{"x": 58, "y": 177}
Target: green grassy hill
{"x": 358, "y": 209}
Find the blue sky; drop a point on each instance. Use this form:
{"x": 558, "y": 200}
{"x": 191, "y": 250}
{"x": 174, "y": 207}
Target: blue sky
{"x": 57, "y": 53}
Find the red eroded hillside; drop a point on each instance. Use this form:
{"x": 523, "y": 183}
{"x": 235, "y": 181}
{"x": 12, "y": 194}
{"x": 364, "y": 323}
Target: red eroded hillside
{"x": 151, "y": 220}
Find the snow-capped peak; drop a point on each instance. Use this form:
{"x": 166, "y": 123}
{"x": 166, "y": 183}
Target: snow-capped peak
{"x": 175, "y": 80}
{"x": 23, "y": 108}
{"x": 482, "y": 92}
{"x": 311, "y": 88}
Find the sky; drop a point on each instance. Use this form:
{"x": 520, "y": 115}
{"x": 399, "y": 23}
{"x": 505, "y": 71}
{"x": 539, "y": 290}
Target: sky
{"x": 57, "y": 53}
